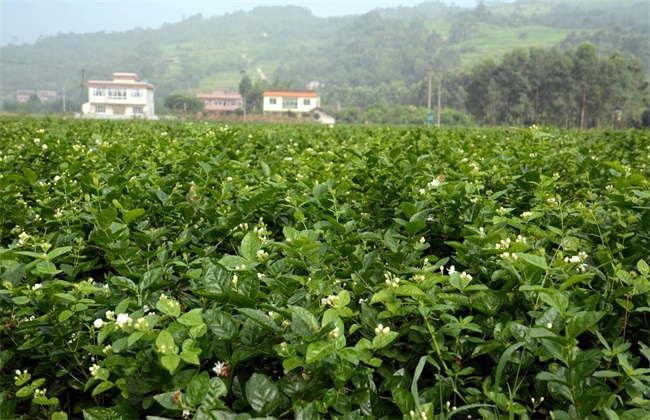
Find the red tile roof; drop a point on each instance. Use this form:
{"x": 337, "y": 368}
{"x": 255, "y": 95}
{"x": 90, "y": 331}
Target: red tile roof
{"x": 219, "y": 95}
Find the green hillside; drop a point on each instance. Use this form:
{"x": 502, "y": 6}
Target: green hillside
{"x": 293, "y": 47}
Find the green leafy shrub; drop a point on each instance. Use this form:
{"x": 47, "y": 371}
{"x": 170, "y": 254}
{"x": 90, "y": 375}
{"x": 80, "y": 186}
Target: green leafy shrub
{"x": 195, "y": 270}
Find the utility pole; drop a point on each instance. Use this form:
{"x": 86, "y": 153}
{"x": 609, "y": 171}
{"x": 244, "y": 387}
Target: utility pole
{"x": 439, "y": 90}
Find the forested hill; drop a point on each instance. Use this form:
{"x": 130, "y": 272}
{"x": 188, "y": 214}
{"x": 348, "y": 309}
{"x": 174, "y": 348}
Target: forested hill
{"x": 291, "y": 47}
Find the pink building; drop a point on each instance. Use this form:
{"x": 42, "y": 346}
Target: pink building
{"x": 221, "y": 100}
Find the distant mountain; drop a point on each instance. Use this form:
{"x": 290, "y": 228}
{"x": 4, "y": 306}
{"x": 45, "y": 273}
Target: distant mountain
{"x": 289, "y": 45}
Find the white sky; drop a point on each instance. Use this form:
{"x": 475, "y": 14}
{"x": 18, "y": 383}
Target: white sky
{"x": 25, "y": 20}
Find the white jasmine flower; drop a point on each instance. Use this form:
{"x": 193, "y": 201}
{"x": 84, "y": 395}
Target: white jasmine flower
{"x": 94, "y": 370}
{"x": 98, "y": 323}
{"x": 220, "y": 368}
{"x": 452, "y": 270}
{"x": 44, "y": 147}
{"x": 37, "y": 286}
{"x": 334, "y": 334}
{"x": 123, "y": 320}
{"x": 381, "y": 330}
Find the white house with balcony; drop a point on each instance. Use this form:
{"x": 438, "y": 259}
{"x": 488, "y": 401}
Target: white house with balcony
{"x": 298, "y": 101}
{"x": 123, "y": 97}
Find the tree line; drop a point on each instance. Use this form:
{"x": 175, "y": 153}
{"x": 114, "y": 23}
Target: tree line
{"x": 572, "y": 88}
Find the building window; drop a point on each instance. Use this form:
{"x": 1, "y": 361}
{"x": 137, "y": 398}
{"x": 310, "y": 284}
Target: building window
{"x": 136, "y": 93}
{"x": 306, "y": 102}
{"x": 289, "y": 103}
{"x": 98, "y": 91}
{"x": 100, "y": 109}
{"x": 273, "y": 101}
{"x": 137, "y": 110}
{"x": 116, "y": 93}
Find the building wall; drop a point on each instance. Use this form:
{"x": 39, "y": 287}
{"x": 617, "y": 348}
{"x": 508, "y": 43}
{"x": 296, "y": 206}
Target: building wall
{"x": 284, "y": 104}
{"x": 121, "y": 101}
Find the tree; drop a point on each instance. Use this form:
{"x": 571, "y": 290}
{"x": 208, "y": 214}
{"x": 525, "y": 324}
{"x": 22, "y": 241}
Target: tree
{"x": 180, "y": 102}
{"x": 585, "y": 73}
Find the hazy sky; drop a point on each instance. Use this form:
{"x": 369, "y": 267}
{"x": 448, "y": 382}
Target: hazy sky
{"x": 25, "y": 20}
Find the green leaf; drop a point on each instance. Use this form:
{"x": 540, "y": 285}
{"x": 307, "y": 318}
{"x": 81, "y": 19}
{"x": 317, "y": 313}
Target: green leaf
{"x": 150, "y": 279}
{"x": 107, "y": 216}
{"x": 169, "y": 307}
{"x": 534, "y": 260}
{"x": 216, "y": 278}
{"x": 162, "y": 197}
{"x": 29, "y": 174}
{"x": 408, "y": 290}
{"x": 191, "y": 356}
{"x": 582, "y": 321}
{"x": 15, "y": 274}
{"x": 123, "y": 283}
{"x": 384, "y": 295}
{"x": 502, "y": 364}
{"x": 578, "y": 278}
{"x": 46, "y": 267}
{"x": 102, "y": 387}
{"x": 642, "y": 267}
{"x": 260, "y": 318}
{"x": 59, "y": 415}
{"x": 262, "y": 393}
{"x": 303, "y": 322}
{"x": 250, "y": 244}
{"x": 56, "y": 252}
{"x": 123, "y": 306}
{"x": 198, "y": 388}
{"x": 5, "y": 356}
{"x": 317, "y": 351}
{"x": 23, "y": 392}
{"x": 111, "y": 413}
{"x": 165, "y": 342}
{"x": 131, "y": 215}
{"x": 488, "y": 302}
{"x": 222, "y": 325}
{"x": 403, "y": 399}
{"x": 66, "y": 296}
{"x": 65, "y": 315}
{"x": 169, "y": 400}
{"x": 135, "y": 337}
{"x": 216, "y": 390}
{"x": 384, "y": 339}
{"x": 390, "y": 240}
{"x": 192, "y": 318}
{"x": 170, "y": 362}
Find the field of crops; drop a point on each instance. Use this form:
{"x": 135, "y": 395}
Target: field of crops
{"x": 191, "y": 270}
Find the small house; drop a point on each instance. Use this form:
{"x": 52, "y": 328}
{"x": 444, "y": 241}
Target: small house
{"x": 121, "y": 98}
{"x": 298, "y": 101}
{"x": 221, "y": 100}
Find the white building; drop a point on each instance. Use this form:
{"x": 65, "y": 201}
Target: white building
{"x": 290, "y": 100}
{"x": 123, "y": 97}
